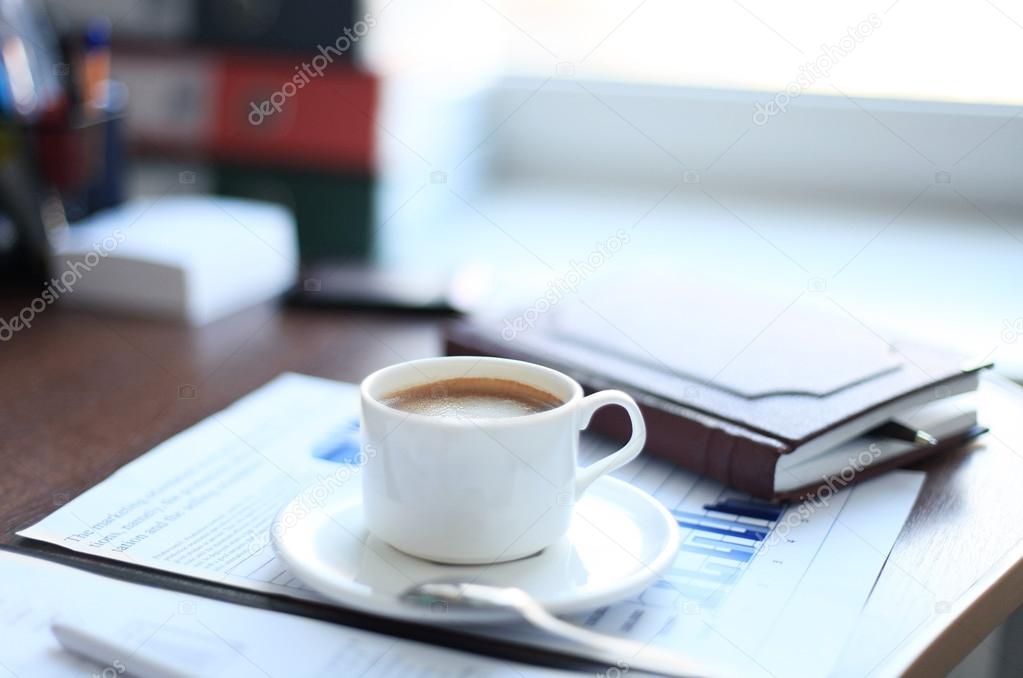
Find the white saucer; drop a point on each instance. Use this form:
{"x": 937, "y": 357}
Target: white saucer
{"x": 621, "y": 540}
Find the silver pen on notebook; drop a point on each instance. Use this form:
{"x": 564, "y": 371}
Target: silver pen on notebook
{"x": 897, "y": 431}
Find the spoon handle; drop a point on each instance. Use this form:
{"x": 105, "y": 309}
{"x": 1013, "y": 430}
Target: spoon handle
{"x": 619, "y": 652}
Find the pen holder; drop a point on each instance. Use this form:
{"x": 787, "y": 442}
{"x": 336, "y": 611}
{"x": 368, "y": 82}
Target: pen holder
{"x": 84, "y": 159}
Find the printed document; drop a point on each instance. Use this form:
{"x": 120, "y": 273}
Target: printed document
{"x": 756, "y": 588}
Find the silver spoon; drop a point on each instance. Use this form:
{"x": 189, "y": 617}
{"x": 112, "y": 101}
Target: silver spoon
{"x": 610, "y": 649}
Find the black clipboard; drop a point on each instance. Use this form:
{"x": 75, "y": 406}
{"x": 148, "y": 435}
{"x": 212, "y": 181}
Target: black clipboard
{"x": 455, "y": 639}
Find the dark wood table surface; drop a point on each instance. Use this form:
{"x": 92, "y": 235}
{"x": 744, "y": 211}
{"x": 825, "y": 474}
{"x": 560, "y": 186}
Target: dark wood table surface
{"x": 82, "y": 394}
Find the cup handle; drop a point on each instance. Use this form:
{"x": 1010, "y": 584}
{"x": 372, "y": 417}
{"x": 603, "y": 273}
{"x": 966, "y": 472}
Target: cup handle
{"x": 584, "y": 477}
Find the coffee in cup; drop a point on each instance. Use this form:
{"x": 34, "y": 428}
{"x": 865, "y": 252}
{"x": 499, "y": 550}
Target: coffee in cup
{"x": 475, "y": 460}
{"x": 472, "y": 398}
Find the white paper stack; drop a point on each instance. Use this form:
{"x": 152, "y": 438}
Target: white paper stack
{"x": 190, "y": 258}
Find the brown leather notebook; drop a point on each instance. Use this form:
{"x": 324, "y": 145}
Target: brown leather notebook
{"x": 774, "y": 398}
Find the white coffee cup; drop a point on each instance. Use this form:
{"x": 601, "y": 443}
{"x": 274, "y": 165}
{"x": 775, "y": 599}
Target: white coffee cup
{"x": 482, "y": 490}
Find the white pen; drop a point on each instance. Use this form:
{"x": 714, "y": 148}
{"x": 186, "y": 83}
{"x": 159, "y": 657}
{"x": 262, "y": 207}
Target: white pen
{"x": 167, "y": 652}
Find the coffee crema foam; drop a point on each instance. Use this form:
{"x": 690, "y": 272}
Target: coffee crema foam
{"x": 472, "y": 398}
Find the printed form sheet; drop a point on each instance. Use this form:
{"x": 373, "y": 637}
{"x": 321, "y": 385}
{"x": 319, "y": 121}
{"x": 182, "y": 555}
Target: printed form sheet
{"x": 756, "y": 588}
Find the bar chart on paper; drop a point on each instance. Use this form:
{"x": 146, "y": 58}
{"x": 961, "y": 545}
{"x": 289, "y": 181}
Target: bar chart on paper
{"x": 718, "y": 542}
{"x": 722, "y": 531}
{"x": 744, "y": 592}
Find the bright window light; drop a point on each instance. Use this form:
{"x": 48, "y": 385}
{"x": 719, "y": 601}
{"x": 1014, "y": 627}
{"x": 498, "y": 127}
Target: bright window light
{"x": 964, "y": 51}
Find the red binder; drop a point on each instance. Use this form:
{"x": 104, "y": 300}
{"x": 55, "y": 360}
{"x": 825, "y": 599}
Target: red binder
{"x": 279, "y": 110}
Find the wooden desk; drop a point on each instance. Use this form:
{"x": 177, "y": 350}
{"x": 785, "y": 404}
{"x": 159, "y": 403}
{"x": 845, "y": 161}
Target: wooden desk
{"x": 83, "y": 394}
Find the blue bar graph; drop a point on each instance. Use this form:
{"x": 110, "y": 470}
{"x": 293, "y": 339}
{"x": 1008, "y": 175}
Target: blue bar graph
{"x": 342, "y": 445}
{"x": 705, "y": 575}
{"x": 756, "y": 535}
{"x": 749, "y": 508}
{"x": 723, "y": 569}
{"x": 718, "y": 543}
{"x": 732, "y": 554}
{"x": 707, "y": 557}
{"x": 732, "y": 525}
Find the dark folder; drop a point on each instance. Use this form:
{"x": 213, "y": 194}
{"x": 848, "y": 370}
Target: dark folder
{"x": 730, "y": 383}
